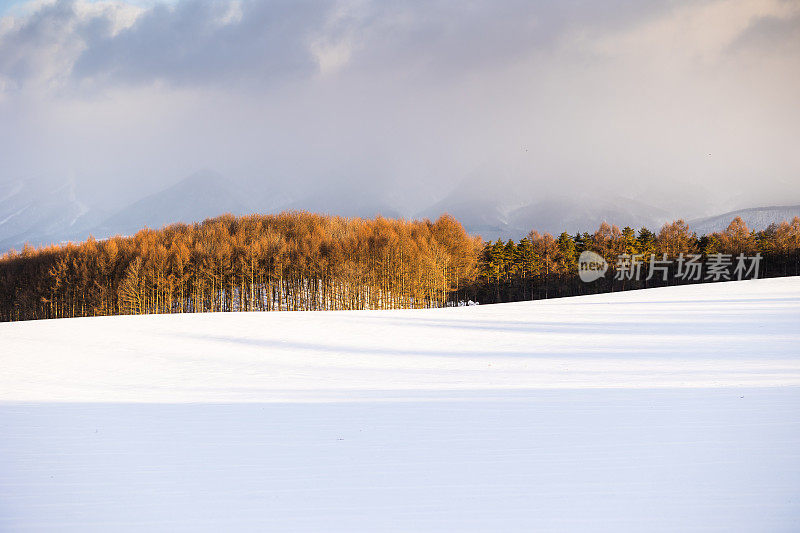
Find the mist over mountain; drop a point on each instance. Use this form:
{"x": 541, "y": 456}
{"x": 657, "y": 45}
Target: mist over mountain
{"x": 347, "y": 200}
{"x": 507, "y": 114}
{"x": 48, "y": 211}
{"x": 585, "y": 214}
{"x": 51, "y": 212}
{"x": 496, "y": 208}
{"x": 42, "y": 210}
{"x": 202, "y": 195}
{"x": 756, "y": 218}
{"x": 480, "y": 214}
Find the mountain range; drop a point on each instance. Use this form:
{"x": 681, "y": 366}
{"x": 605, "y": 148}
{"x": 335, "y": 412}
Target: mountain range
{"x": 50, "y": 211}
{"x": 42, "y": 211}
{"x": 756, "y": 218}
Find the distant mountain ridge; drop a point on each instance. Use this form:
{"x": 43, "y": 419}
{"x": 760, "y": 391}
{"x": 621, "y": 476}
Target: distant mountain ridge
{"x": 756, "y": 218}
{"x": 555, "y": 216}
{"x": 197, "y": 197}
{"x": 489, "y": 218}
{"x": 38, "y": 211}
{"x": 44, "y": 212}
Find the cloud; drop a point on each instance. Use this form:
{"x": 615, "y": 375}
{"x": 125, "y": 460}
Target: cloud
{"x": 651, "y": 98}
{"x": 212, "y": 41}
{"x": 40, "y": 47}
{"x": 205, "y": 42}
{"x": 69, "y": 43}
{"x": 696, "y": 32}
{"x": 771, "y": 32}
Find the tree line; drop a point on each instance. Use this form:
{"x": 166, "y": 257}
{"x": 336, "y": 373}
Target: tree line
{"x": 291, "y": 261}
{"x": 543, "y": 266}
{"x": 303, "y": 261}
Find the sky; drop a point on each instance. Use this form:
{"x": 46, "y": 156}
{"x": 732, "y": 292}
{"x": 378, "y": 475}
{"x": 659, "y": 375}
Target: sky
{"x": 690, "y": 106}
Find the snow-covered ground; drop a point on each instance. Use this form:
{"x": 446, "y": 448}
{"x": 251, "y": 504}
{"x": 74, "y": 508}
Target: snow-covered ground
{"x": 672, "y": 409}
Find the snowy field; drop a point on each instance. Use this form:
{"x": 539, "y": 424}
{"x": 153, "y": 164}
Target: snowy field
{"x": 672, "y": 409}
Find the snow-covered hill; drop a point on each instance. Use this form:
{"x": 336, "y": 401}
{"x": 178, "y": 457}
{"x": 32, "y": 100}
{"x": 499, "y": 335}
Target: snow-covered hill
{"x": 662, "y": 410}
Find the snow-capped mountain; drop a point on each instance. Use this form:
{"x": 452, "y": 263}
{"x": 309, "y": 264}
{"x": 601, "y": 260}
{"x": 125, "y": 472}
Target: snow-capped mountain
{"x": 756, "y": 218}
{"x": 585, "y": 214}
{"x": 493, "y": 219}
{"x": 42, "y": 211}
{"x": 478, "y": 216}
{"x": 197, "y": 197}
